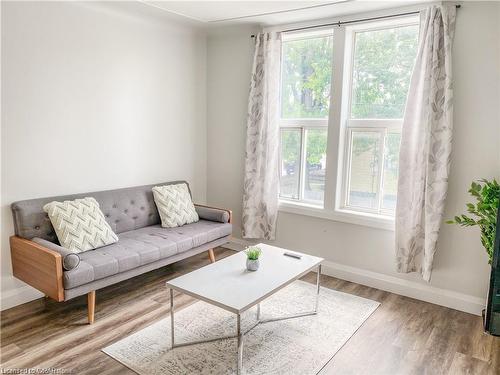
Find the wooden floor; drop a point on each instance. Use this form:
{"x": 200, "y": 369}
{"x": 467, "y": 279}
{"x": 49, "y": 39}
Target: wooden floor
{"x": 403, "y": 336}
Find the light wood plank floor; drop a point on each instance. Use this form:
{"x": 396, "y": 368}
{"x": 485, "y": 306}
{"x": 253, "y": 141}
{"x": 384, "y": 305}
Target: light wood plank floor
{"x": 404, "y": 336}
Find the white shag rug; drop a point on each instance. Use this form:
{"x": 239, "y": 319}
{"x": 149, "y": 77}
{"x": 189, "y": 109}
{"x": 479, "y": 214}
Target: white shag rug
{"x": 299, "y": 346}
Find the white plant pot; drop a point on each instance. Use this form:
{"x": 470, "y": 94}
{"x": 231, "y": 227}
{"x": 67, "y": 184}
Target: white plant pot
{"x": 252, "y": 265}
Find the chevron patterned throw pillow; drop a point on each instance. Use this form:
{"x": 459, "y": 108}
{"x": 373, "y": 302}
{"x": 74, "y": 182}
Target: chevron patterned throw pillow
{"x": 174, "y": 205}
{"x": 80, "y": 224}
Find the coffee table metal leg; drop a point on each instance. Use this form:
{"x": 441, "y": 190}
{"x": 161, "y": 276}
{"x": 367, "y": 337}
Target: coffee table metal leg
{"x": 240, "y": 344}
{"x": 299, "y": 315}
{"x": 172, "y": 316}
{"x": 318, "y": 276}
{"x": 258, "y": 311}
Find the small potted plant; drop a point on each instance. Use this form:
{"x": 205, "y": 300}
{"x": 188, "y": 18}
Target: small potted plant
{"x": 253, "y": 253}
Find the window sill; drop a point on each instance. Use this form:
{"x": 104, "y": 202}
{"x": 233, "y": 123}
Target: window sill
{"x": 343, "y": 216}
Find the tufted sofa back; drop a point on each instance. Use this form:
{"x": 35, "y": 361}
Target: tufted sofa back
{"x": 125, "y": 209}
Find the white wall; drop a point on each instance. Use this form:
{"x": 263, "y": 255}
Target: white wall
{"x": 94, "y": 97}
{"x": 229, "y": 66}
{"x": 461, "y": 271}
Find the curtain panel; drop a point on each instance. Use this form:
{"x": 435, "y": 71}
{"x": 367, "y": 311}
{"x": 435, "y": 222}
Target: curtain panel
{"x": 261, "y": 180}
{"x": 424, "y": 158}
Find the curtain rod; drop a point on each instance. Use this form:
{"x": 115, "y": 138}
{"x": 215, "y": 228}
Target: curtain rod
{"x": 340, "y": 23}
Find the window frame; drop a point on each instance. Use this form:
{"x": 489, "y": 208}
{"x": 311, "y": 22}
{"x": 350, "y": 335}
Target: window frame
{"x": 350, "y": 125}
{"x": 302, "y": 124}
{"x": 346, "y": 168}
{"x": 339, "y": 126}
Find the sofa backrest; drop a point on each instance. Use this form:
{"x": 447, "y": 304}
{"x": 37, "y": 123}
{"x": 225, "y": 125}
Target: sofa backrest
{"x": 125, "y": 209}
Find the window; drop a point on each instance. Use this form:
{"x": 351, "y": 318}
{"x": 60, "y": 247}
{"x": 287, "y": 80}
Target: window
{"x": 305, "y": 102}
{"x": 357, "y": 77}
{"x": 381, "y": 63}
{"x": 345, "y": 87}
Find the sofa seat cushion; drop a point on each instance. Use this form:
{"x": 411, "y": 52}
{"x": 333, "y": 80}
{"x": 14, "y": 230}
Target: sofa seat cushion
{"x": 142, "y": 246}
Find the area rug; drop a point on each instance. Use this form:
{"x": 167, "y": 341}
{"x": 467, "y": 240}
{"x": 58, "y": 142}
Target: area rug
{"x": 294, "y": 346}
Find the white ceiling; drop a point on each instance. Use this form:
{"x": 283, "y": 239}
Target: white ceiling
{"x": 269, "y": 12}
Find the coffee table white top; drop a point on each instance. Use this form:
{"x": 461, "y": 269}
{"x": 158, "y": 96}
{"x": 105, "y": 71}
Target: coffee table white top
{"x": 227, "y": 283}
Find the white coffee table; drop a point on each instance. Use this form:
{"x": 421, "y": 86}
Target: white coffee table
{"x": 228, "y": 285}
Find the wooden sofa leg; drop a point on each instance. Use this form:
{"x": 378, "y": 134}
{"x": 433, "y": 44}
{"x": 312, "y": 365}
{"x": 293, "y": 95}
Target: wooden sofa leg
{"x": 211, "y": 255}
{"x": 91, "y": 306}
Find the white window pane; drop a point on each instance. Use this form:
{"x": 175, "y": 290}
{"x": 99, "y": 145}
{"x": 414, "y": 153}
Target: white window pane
{"x": 306, "y": 77}
{"x": 364, "y": 170}
{"x": 290, "y": 163}
{"x": 314, "y": 180}
{"x": 391, "y": 163}
{"x": 383, "y": 64}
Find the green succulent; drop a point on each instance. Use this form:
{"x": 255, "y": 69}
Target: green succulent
{"x": 253, "y": 252}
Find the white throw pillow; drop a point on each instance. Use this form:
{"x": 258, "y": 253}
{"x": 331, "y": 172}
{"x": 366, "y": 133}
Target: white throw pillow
{"x": 174, "y": 205}
{"x": 80, "y": 224}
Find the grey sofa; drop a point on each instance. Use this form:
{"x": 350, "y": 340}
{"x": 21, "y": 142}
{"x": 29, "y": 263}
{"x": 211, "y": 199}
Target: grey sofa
{"x": 143, "y": 244}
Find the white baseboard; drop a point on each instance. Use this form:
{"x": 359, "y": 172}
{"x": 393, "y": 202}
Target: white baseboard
{"x": 443, "y": 297}
{"x": 18, "y": 296}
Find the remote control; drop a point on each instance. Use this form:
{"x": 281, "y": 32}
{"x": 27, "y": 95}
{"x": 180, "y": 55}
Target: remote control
{"x": 292, "y": 255}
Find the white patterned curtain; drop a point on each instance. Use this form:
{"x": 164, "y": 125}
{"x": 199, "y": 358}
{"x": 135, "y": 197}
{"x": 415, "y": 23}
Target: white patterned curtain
{"x": 260, "y": 189}
{"x": 424, "y": 157}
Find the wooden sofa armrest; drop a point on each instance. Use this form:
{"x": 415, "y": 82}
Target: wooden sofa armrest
{"x": 37, "y": 266}
{"x": 219, "y": 208}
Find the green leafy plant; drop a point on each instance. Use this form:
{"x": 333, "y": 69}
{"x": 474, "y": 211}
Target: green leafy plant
{"x": 487, "y": 194}
{"x": 253, "y": 252}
